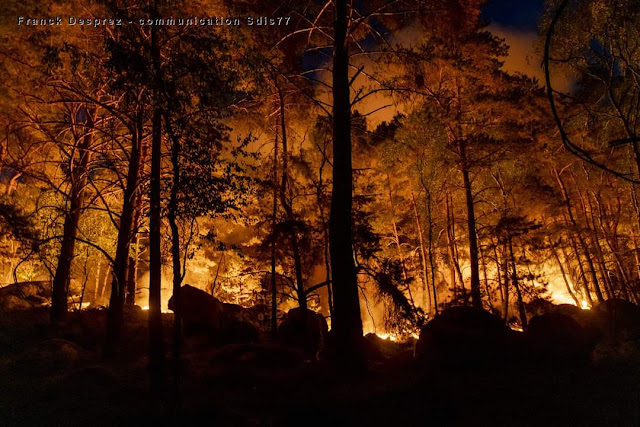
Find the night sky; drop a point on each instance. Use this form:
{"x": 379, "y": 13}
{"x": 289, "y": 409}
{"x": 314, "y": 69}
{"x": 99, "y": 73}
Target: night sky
{"x": 521, "y": 14}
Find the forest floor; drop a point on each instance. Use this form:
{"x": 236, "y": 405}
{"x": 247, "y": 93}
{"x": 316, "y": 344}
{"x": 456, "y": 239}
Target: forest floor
{"x": 56, "y": 376}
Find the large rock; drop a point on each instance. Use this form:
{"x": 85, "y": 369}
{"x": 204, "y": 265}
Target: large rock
{"x": 24, "y": 295}
{"x": 557, "y": 337}
{"x": 203, "y": 314}
{"x": 619, "y": 323}
{"x": 304, "y": 329}
{"x": 465, "y": 337}
{"x": 619, "y": 317}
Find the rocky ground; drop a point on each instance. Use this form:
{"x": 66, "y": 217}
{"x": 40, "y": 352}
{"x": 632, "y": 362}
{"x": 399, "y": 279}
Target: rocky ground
{"x": 56, "y": 376}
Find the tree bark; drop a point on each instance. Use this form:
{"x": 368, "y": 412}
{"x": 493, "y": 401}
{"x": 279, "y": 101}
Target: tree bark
{"x": 172, "y": 216}
{"x": 476, "y": 297}
{"x": 156, "y": 346}
{"x": 581, "y": 241}
{"x": 132, "y": 272}
{"x": 156, "y": 350}
{"x": 505, "y": 270}
{"x": 118, "y": 284}
{"x": 516, "y": 285}
{"x": 453, "y": 252}
{"x": 293, "y": 235}
{"x": 564, "y": 277}
{"x": 79, "y": 177}
{"x": 274, "y": 220}
{"x": 431, "y": 260}
{"x": 347, "y": 323}
{"x": 423, "y": 258}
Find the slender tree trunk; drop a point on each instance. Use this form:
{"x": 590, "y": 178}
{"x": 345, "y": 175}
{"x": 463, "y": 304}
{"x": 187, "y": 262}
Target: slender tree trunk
{"x": 156, "y": 350}
{"x": 505, "y": 270}
{"x": 79, "y": 177}
{"x": 485, "y": 276}
{"x": 347, "y": 323}
{"x": 293, "y": 235}
{"x": 118, "y": 284}
{"x": 595, "y": 239}
{"x": 172, "y": 216}
{"x": 610, "y": 237}
{"x": 274, "y": 220}
{"x": 431, "y": 260}
{"x": 396, "y": 238}
{"x": 423, "y": 258}
{"x": 476, "y": 297}
{"x": 581, "y": 241}
{"x": 96, "y": 284}
{"x": 103, "y": 283}
{"x": 516, "y": 285}
{"x": 325, "y": 235}
{"x": 156, "y": 345}
{"x": 132, "y": 272}
{"x": 564, "y": 277}
{"x": 85, "y": 279}
{"x": 453, "y": 253}
{"x": 583, "y": 274}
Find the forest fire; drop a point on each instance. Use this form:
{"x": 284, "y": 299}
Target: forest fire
{"x": 345, "y": 212}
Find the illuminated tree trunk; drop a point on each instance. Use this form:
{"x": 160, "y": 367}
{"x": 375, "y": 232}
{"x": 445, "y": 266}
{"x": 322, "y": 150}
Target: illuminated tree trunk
{"x": 476, "y": 298}
{"x": 293, "y": 235}
{"x": 564, "y": 277}
{"x": 172, "y": 216}
{"x": 583, "y": 274}
{"x": 431, "y": 260}
{"x": 156, "y": 350}
{"x": 96, "y": 283}
{"x": 423, "y": 258}
{"x": 132, "y": 272}
{"x": 453, "y": 252}
{"x": 505, "y": 270}
{"x": 516, "y": 285}
{"x": 347, "y": 323}
{"x": 589, "y": 218}
{"x": 103, "y": 284}
{"x": 118, "y": 284}
{"x": 580, "y": 238}
{"x": 396, "y": 238}
{"x": 274, "y": 220}
{"x": 610, "y": 236}
{"x": 79, "y": 177}
{"x": 498, "y": 274}
{"x": 156, "y": 347}
{"x": 485, "y": 276}
{"x": 604, "y": 271}
{"x": 325, "y": 233}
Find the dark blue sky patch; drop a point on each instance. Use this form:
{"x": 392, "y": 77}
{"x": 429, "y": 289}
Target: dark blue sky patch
{"x": 520, "y": 14}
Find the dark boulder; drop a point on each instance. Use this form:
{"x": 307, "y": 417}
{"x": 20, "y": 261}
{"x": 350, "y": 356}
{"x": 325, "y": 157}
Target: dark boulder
{"x": 24, "y": 295}
{"x": 619, "y": 317}
{"x": 465, "y": 337}
{"x": 557, "y": 337}
{"x": 619, "y": 323}
{"x": 304, "y": 329}
{"x": 203, "y": 314}
{"x": 199, "y": 310}
{"x": 539, "y": 306}
{"x": 568, "y": 310}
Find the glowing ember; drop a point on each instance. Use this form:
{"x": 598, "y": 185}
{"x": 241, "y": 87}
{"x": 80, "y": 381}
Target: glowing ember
{"x": 584, "y": 305}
